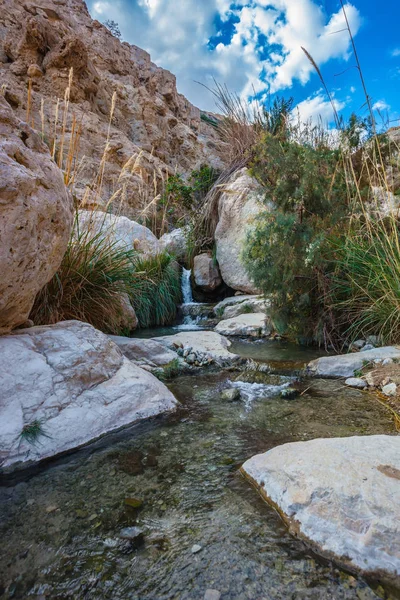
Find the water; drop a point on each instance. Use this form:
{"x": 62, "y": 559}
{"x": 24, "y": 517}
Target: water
{"x": 189, "y": 323}
{"x": 60, "y": 526}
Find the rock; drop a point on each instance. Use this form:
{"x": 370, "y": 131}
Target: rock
{"x": 206, "y": 273}
{"x": 387, "y": 361}
{"x": 255, "y": 305}
{"x": 341, "y": 494}
{"x": 367, "y": 347}
{"x": 289, "y": 393}
{"x": 240, "y": 203}
{"x": 252, "y": 325}
{"x": 373, "y": 340}
{"x": 191, "y": 358}
{"x": 212, "y": 595}
{"x": 131, "y": 533}
{"x": 230, "y": 395}
{"x": 344, "y": 365}
{"x": 196, "y": 548}
{"x": 390, "y": 389}
{"x": 35, "y": 218}
{"x": 155, "y": 131}
{"x": 119, "y": 230}
{"x": 75, "y": 383}
{"x": 175, "y": 243}
{"x": 211, "y": 344}
{"x": 358, "y": 344}
{"x": 133, "y": 502}
{"x": 129, "y": 320}
{"x": 144, "y": 351}
{"x": 356, "y": 382}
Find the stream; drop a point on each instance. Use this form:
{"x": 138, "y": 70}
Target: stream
{"x": 63, "y": 526}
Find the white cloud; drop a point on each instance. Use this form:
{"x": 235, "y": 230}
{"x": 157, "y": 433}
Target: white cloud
{"x": 266, "y": 40}
{"x": 396, "y": 52}
{"x": 317, "y": 108}
{"x": 381, "y": 105}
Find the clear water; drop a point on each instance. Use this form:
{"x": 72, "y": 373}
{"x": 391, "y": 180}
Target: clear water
{"x": 60, "y": 526}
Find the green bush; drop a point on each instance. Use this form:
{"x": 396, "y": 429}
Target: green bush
{"x": 155, "y": 289}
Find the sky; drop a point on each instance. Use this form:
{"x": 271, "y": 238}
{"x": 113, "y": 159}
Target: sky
{"x": 254, "y": 47}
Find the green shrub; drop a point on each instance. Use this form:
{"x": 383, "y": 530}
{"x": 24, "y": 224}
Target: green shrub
{"x": 155, "y": 289}
{"x": 32, "y": 432}
{"x": 88, "y": 285}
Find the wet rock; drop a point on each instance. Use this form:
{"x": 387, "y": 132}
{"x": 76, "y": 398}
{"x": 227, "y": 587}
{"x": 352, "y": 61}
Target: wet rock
{"x": 230, "y": 395}
{"x": 191, "y": 358}
{"x": 133, "y": 502}
{"x": 196, "y": 548}
{"x": 209, "y": 343}
{"x": 338, "y": 493}
{"x": 356, "y": 382}
{"x": 289, "y": 393}
{"x": 131, "y": 462}
{"x": 212, "y": 595}
{"x": 344, "y": 365}
{"x": 131, "y": 533}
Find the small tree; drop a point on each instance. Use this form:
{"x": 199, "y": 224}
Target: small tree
{"x": 113, "y": 27}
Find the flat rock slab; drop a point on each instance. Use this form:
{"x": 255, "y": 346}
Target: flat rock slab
{"x": 252, "y": 324}
{"x": 344, "y": 365}
{"x": 233, "y": 300}
{"x": 147, "y": 351}
{"x": 342, "y": 494}
{"x": 75, "y": 383}
{"x": 206, "y": 342}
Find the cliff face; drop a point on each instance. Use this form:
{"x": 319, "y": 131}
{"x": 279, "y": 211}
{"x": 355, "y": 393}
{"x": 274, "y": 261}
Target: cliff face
{"x": 154, "y": 130}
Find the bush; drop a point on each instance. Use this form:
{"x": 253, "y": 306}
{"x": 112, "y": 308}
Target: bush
{"x": 88, "y": 285}
{"x": 285, "y": 255}
{"x": 155, "y": 289}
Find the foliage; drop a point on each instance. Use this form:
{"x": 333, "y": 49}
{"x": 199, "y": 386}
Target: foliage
{"x": 32, "y": 432}
{"x": 306, "y": 196}
{"x": 169, "y": 371}
{"x": 155, "y": 289}
{"x": 113, "y": 27}
{"x": 88, "y": 285}
{"x": 202, "y": 181}
{"x": 366, "y": 282}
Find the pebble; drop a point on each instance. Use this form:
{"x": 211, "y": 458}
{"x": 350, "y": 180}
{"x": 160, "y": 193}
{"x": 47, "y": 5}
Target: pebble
{"x": 387, "y": 361}
{"x": 367, "y": 347}
{"x": 212, "y": 595}
{"x": 356, "y": 382}
{"x": 390, "y": 389}
{"x": 131, "y": 533}
{"x": 196, "y": 548}
{"x": 289, "y": 393}
{"x": 230, "y": 395}
{"x": 358, "y": 344}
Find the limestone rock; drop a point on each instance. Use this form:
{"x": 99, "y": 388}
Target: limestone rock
{"x": 155, "y": 131}
{"x": 253, "y": 325}
{"x": 129, "y": 320}
{"x": 35, "y": 218}
{"x": 148, "y": 351}
{"x": 206, "y": 273}
{"x": 175, "y": 243}
{"x": 342, "y": 494}
{"x": 356, "y": 382}
{"x": 120, "y": 230}
{"x": 344, "y": 365}
{"x": 239, "y": 205}
{"x": 75, "y": 383}
{"x": 253, "y": 305}
{"x": 209, "y": 343}
{"x": 390, "y": 389}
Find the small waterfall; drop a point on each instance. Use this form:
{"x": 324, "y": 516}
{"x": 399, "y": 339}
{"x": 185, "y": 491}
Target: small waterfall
{"x": 186, "y": 286}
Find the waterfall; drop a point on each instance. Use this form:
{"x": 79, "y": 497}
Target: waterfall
{"x": 186, "y": 286}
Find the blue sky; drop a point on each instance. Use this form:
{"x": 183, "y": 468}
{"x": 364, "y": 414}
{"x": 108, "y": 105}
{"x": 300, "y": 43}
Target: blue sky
{"x": 256, "y": 44}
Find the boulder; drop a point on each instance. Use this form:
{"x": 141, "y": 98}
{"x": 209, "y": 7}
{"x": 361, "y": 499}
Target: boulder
{"x": 206, "y": 273}
{"x": 341, "y": 494}
{"x": 147, "y": 352}
{"x": 253, "y": 305}
{"x": 239, "y": 205}
{"x": 119, "y": 230}
{"x": 356, "y": 382}
{"x": 344, "y": 365}
{"x": 71, "y": 384}
{"x": 175, "y": 243}
{"x": 209, "y": 343}
{"x": 35, "y": 218}
{"x": 129, "y": 320}
{"x": 252, "y": 324}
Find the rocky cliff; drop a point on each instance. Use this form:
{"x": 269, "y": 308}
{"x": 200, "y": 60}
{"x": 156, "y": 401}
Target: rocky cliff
{"x": 154, "y": 130}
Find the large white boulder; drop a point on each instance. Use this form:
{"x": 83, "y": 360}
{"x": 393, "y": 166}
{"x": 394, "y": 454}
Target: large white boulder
{"x": 239, "y": 205}
{"x": 344, "y": 365}
{"x": 120, "y": 230}
{"x": 342, "y": 494}
{"x": 176, "y": 243}
{"x": 35, "y": 218}
{"x": 249, "y": 324}
{"x": 146, "y": 352}
{"x": 206, "y": 273}
{"x": 72, "y": 382}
